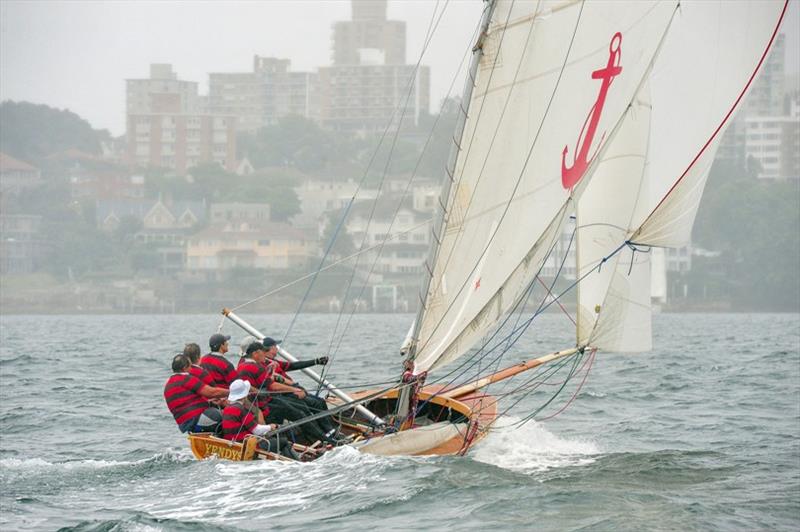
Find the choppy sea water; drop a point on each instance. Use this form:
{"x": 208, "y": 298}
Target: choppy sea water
{"x": 701, "y": 433}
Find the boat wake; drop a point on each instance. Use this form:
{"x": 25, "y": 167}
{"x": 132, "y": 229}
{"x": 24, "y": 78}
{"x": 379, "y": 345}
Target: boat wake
{"x": 531, "y": 448}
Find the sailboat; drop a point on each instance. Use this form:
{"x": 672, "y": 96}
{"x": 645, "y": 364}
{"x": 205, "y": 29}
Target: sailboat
{"x": 608, "y": 112}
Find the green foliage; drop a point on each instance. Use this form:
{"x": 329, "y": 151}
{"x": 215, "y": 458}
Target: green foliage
{"x": 31, "y": 132}
{"x": 343, "y": 246}
{"x": 755, "y": 224}
{"x": 294, "y": 142}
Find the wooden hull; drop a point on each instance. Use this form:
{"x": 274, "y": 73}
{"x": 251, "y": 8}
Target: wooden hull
{"x": 445, "y": 426}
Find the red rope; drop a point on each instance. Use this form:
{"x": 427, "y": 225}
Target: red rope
{"x": 556, "y": 300}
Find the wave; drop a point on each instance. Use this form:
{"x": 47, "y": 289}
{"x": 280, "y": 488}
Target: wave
{"x": 140, "y": 522}
{"x": 29, "y": 464}
{"x": 531, "y": 448}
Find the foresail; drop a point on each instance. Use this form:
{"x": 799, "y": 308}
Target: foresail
{"x": 647, "y": 189}
{"x": 712, "y": 54}
{"x": 614, "y": 296}
{"x": 554, "y": 83}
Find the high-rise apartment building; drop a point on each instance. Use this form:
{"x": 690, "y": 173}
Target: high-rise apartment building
{"x": 168, "y": 125}
{"x": 369, "y": 82}
{"x": 756, "y": 130}
{"x": 369, "y": 31}
{"x": 774, "y": 141}
{"x": 261, "y": 97}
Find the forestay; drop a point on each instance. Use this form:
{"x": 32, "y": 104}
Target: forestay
{"x": 553, "y": 86}
{"x": 648, "y": 187}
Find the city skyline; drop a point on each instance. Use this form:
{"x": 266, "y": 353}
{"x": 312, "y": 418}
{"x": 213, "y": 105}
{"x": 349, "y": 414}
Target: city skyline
{"x": 65, "y": 45}
{"x": 77, "y": 55}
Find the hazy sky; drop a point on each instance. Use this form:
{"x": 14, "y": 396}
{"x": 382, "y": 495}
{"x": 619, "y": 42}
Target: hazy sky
{"x": 76, "y": 55}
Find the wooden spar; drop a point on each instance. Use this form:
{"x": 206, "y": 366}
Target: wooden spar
{"x": 506, "y": 373}
{"x": 287, "y": 356}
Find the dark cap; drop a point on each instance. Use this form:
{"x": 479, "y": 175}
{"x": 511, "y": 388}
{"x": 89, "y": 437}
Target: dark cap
{"x": 217, "y": 340}
{"x": 269, "y": 342}
{"x": 255, "y": 346}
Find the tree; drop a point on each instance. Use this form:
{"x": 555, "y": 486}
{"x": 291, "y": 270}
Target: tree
{"x": 343, "y": 245}
{"x": 31, "y": 132}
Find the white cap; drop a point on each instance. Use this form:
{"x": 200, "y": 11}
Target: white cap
{"x": 245, "y": 343}
{"x": 238, "y": 389}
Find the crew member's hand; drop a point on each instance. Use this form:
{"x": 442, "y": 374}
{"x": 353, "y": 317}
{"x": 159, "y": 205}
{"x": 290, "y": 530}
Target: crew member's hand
{"x": 300, "y": 393}
{"x": 321, "y": 361}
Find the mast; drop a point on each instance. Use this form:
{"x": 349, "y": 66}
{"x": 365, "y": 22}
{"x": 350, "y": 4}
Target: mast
{"x": 444, "y": 195}
{"x": 287, "y": 356}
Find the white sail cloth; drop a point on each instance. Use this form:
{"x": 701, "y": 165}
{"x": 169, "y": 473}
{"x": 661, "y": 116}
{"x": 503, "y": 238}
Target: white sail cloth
{"x": 556, "y": 87}
{"x": 555, "y": 81}
{"x": 649, "y": 192}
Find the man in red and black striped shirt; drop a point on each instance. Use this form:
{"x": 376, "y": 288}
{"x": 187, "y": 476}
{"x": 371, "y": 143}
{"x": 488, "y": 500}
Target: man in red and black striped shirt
{"x": 187, "y": 398}
{"x": 192, "y": 350}
{"x": 220, "y": 368}
{"x": 280, "y": 367}
{"x": 285, "y": 402}
{"x": 241, "y": 418}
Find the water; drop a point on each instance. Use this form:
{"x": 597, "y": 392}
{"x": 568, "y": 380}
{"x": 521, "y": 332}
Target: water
{"x": 702, "y": 433}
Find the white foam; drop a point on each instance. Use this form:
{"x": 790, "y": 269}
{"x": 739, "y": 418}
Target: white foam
{"x": 531, "y": 448}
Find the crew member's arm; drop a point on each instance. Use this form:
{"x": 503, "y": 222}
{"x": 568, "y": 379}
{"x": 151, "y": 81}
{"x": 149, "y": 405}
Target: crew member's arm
{"x": 278, "y": 387}
{"x": 262, "y": 429}
{"x": 212, "y": 392}
{"x": 302, "y": 364}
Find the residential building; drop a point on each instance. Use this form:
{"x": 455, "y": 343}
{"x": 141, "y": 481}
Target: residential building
{"x": 22, "y": 246}
{"x": 765, "y": 99}
{"x": 369, "y": 31}
{"x": 162, "y": 226}
{"x": 261, "y": 97}
{"x": 104, "y": 181}
{"x": 214, "y": 251}
{"x": 221, "y": 214}
{"x": 369, "y": 84}
{"x": 16, "y": 175}
{"x": 774, "y": 141}
{"x": 318, "y": 197}
{"x": 679, "y": 259}
{"x": 168, "y": 125}
{"x": 397, "y": 232}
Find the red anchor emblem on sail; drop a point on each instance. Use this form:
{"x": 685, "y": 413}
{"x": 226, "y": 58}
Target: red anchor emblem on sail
{"x": 571, "y": 176}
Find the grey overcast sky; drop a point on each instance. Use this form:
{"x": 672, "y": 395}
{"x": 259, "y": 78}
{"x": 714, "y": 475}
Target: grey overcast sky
{"x": 77, "y": 54}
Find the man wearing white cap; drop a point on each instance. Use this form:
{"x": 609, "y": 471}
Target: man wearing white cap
{"x": 241, "y": 418}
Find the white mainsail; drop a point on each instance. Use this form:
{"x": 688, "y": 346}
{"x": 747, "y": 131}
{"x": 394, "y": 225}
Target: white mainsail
{"x": 648, "y": 192}
{"x": 555, "y": 81}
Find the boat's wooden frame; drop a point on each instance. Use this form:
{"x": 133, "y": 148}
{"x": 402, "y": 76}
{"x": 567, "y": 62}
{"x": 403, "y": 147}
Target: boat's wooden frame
{"x": 478, "y": 411}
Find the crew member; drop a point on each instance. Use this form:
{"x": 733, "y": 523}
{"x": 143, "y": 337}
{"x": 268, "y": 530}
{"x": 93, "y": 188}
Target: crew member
{"x": 187, "y": 398}
{"x": 241, "y": 418}
{"x": 215, "y": 363}
{"x": 243, "y": 345}
{"x": 281, "y": 402}
{"x": 280, "y": 367}
{"x": 192, "y": 351}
